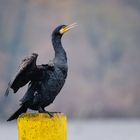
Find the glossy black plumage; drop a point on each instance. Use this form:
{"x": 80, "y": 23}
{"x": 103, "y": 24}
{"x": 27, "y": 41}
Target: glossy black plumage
{"x": 45, "y": 81}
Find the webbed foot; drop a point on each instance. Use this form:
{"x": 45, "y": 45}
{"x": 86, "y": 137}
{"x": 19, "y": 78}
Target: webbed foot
{"x": 42, "y": 110}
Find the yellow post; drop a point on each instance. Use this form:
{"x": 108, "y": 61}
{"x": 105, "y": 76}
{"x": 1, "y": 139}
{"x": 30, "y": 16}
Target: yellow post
{"x": 40, "y": 126}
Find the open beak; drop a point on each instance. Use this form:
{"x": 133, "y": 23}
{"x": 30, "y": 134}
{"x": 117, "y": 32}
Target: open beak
{"x": 68, "y": 27}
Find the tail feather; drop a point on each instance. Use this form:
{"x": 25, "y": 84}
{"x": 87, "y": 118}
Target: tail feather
{"x": 21, "y": 110}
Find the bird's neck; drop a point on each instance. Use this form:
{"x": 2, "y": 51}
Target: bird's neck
{"x": 60, "y": 54}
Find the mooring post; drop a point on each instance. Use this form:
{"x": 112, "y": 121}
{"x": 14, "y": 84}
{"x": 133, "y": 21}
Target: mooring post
{"x": 40, "y": 126}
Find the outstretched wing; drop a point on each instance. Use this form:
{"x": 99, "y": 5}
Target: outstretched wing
{"x": 25, "y": 73}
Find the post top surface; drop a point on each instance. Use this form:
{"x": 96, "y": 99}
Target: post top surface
{"x": 41, "y": 115}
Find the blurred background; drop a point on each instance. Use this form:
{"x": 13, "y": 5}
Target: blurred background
{"x": 103, "y": 56}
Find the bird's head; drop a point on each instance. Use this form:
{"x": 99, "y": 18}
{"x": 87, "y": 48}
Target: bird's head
{"x": 61, "y": 29}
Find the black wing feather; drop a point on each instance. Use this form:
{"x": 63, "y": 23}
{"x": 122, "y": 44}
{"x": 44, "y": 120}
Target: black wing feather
{"x": 26, "y": 71}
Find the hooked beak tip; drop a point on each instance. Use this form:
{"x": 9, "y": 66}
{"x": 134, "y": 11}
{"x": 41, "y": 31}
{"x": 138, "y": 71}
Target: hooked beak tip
{"x": 72, "y": 25}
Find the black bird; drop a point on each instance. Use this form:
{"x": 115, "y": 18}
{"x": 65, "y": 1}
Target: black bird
{"x": 45, "y": 81}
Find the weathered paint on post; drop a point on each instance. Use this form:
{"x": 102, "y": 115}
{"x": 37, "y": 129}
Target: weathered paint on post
{"x": 40, "y": 126}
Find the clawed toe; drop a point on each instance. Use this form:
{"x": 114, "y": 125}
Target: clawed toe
{"x": 51, "y": 114}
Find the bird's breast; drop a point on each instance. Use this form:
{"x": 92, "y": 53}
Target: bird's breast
{"x": 53, "y": 82}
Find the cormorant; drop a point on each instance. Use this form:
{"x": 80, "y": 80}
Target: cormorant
{"x": 45, "y": 81}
